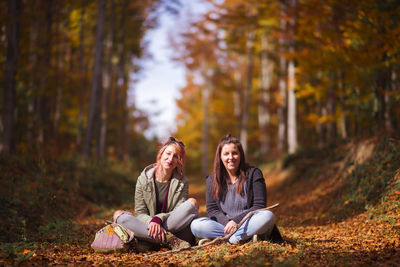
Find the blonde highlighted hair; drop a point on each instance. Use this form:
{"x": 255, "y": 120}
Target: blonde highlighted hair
{"x": 180, "y": 147}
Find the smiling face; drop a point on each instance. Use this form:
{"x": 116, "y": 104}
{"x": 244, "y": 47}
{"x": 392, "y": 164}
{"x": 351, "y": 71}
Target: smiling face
{"x": 170, "y": 158}
{"x": 230, "y": 157}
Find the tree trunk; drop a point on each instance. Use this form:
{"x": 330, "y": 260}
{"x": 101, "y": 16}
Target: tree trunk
{"x": 60, "y": 84}
{"x": 205, "y": 128}
{"x": 45, "y": 63}
{"x": 390, "y": 120}
{"x": 33, "y": 79}
{"x": 247, "y": 93}
{"x": 380, "y": 92}
{"x": 82, "y": 73}
{"x": 124, "y": 121}
{"x": 264, "y": 116}
{"x": 292, "y": 126}
{"x": 237, "y": 95}
{"x": 342, "y": 123}
{"x": 282, "y": 84}
{"x": 119, "y": 104}
{"x": 382, "y": 89}
{"x": 9, "y": 92}
{"x": 331, "y": 107}
{"x": 128, "y": 135}
{"x": 96, "y": 87}
{"x": 107, "y": 85}
{"x": 320, "y": 127}
{"x": 292, "y": 122}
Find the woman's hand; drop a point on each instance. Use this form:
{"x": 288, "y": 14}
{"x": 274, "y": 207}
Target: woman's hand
{"x": 229, "y": 227}
{"x": 157, "y": 231}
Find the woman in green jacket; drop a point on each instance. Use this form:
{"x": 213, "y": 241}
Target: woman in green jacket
{"x": 163, "y": 212}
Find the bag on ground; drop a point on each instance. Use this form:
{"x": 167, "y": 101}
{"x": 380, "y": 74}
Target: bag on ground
{"x": 112, "y": 238}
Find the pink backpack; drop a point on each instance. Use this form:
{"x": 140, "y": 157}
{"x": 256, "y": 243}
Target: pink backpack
{"x": 112, "y": 238}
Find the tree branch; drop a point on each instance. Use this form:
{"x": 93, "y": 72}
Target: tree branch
{"x": 216, "y": 240}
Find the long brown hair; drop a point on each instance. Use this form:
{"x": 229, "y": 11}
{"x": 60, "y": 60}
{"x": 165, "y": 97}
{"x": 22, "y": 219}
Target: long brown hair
{"x": 220, "y": 175}
{"x": 180, "y": 147}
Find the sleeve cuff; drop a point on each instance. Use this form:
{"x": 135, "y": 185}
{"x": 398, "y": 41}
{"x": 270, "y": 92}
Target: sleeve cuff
{"x": 156, "y": 220}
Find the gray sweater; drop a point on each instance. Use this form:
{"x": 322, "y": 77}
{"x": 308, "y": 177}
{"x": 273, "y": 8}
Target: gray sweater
{"x": 255, "y": 190}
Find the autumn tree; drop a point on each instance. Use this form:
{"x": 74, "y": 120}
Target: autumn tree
{"x": 56, "y": 67}
{"x": 321, "y": 71}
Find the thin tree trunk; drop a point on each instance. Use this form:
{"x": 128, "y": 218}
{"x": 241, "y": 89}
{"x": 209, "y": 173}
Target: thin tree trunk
{"x": 292, "y": 126}
{"x": 96, "y": 88}
{"x": 331, "y": 107}
{"x": 264, "y": 116}
{"x": 205, "y": 128}
{"x": 43, "y": 99}
{"x": 237, "y": 96}
{"x": 33, "y": 81}
{"x": 380, "y": 91}
{"x": 320, "y": 127}
{"x": 124, "y": 121}
{"x": 9, "y": 92}
{"x": 60, "y": 84}
{"x": 390, "y": 123}
{"x": 335, "y": 94}
{"x": 292, "y": 122}
{"x": 128, "y": 135}
{"x": 82, "y": 74}
{"x": 119, "y": 103}
{"x": 386, "y": 99}
{"x": 282, "y": 84}
{"x": 247, "y": 94}
{"x": 342, "y": 124}
{"x": 107, "y": 86}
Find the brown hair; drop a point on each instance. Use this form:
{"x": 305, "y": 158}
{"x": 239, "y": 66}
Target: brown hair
{"x": 220, "y": 175}
{"x": 180, "y": 147}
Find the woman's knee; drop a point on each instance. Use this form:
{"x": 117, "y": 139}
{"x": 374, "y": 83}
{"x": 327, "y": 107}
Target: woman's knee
{"x": 201, "y": 223}
{"x": 267, "y": 216}
{"x": 193, "y": 201}
{"x": 196, "y": 225}
{"x": 116, "y": 214}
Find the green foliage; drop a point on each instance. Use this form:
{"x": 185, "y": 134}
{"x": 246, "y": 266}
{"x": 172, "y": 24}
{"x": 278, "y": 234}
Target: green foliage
{"x": 58, "y": 231}
{"x": 355, "y": 176}
{"x": 40, "y": 197}
{"x": 370, "y": 183}
{"x": 12, "y": 250}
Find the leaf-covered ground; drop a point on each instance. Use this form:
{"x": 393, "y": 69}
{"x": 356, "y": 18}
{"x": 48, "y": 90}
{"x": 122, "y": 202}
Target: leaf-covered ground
{"x": 327, "y": 218}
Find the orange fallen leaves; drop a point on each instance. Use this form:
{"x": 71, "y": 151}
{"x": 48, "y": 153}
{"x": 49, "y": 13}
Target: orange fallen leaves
{"x": 367, "y": 238}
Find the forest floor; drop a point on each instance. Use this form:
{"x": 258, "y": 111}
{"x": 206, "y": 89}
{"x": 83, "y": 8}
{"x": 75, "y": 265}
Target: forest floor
{"x": 318, "y": 215}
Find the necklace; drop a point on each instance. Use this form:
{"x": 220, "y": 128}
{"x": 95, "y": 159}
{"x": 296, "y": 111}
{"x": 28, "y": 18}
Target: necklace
{"x": 161, "y": 177}
{"x": 233, "y": 180}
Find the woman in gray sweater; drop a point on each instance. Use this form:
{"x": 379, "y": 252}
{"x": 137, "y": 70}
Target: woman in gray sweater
{"x": 233, "y": 190}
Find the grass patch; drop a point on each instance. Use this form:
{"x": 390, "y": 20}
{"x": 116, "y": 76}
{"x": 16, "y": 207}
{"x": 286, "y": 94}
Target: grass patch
{"x": 40, "y": 196}
{"x": 371, "y": 182}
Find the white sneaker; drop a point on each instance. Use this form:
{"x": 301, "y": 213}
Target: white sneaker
{"x": 255, "y": 238}
{"x": 204, "y": 240}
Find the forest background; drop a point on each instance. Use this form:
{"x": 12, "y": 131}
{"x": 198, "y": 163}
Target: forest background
{"x": 285, "y": 76}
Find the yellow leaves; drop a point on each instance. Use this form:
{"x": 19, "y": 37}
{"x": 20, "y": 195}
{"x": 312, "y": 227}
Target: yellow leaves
{"x": 110, "y": 230}
{"x": 306, "y": 90}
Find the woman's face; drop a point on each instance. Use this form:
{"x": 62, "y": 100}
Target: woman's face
{"x": 170, "y": 157}
{"x": 230, "y": 157}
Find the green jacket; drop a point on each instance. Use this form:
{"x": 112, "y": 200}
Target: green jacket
{"x": 145, "y": 195}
